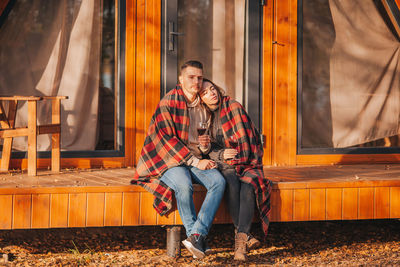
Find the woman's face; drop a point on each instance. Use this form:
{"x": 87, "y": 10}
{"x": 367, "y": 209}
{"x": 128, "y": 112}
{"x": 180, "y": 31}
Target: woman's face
{"x": 209, "y": 94}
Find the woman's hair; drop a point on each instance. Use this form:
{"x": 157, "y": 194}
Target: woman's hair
{"x": 221, "y": 94}
{"x": 220, "y": 91}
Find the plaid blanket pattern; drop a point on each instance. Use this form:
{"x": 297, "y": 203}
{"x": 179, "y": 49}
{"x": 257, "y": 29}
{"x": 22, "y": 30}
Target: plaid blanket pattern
{"x": 164, "y": 148}
{"x": 235, "y": 121}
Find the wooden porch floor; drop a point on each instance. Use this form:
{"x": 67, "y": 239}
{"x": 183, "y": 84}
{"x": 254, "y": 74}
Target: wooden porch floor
{"x": 84, "y": 198}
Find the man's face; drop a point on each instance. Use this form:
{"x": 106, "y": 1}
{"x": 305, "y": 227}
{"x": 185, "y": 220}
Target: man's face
{"x": 191, "y": 80}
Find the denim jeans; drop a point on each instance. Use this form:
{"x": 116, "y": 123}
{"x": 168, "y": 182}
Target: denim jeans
{"x": 180, "y": 180}
{"x": 241, "y": 201}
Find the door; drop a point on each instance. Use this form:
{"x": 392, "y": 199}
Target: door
{"x": 225, "y": 36}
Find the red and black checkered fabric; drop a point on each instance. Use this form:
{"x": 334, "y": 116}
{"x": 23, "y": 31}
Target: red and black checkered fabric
{"x": 164, "y": 148}
{"x": 235, "y": 121}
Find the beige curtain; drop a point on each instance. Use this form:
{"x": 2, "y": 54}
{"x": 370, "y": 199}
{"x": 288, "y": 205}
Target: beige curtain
{"x": 53, "y": 48}
{"x": 364, "y": 75}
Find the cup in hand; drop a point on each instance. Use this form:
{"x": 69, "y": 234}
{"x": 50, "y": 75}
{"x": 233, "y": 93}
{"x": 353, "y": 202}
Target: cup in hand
{"x": 202, "y": 128}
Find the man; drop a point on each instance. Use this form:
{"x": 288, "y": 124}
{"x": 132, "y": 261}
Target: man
{"x": 170, "y": 159}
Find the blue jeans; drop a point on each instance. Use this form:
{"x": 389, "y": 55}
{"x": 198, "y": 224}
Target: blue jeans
{"x": 180, "y": 180}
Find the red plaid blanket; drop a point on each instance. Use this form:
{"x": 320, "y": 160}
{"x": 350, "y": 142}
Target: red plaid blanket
{"x": 235, "y": 121}
{"x": 164, "y": 148}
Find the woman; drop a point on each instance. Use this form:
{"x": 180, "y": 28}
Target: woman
{"x": 235, "y": 145}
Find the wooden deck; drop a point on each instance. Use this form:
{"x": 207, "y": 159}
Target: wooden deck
{"x": 85, "y": 198}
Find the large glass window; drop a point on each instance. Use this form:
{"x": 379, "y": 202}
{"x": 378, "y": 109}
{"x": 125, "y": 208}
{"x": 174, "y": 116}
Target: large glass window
{"x": 67, "y": 47}
{"x": 348, "y": 77}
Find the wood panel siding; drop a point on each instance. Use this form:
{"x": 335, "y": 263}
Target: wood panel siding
{"x": 144, "y": 66}
{"x": 99, "y": 198}
{"x": 284, "y": 132}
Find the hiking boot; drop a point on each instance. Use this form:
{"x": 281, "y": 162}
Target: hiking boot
{"x": 252, "y": 242}
{"x": 240, "y": 247}
{"x": 195, "y": 245}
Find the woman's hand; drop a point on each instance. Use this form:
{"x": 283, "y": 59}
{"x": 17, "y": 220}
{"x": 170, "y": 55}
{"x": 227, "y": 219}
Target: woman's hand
{"x": 204, "y": 140}
{"x": 230, "y": 153}
{"x": 206, "y": 164}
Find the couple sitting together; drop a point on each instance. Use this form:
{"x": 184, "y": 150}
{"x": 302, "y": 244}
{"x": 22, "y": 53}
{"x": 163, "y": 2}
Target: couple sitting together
{"x": 178, "y": 151}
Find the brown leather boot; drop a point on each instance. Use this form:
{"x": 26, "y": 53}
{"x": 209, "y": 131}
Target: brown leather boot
{"x": 240, "y": 247}
{"x": 252, "y": 243}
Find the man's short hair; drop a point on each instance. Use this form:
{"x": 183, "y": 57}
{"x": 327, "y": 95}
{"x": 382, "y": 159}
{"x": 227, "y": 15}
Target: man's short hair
{"x": 191, "y": 63}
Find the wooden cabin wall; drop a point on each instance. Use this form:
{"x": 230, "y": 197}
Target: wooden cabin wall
{"x": 143, "y": 72}
{"x": 280, "y": 82}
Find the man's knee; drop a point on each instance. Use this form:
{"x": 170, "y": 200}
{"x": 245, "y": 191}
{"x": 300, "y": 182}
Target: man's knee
{"x": 219, "y": 183}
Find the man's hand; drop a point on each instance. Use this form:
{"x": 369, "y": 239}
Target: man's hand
{"x": 206, "y": 164}
{"x": 204, "y": 140}
{"x": 230, "y": 153}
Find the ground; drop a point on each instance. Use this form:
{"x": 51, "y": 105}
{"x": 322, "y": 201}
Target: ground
{"x": 346, "y": 243}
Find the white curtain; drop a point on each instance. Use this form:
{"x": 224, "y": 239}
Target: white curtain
{"x": 53, "y": 48}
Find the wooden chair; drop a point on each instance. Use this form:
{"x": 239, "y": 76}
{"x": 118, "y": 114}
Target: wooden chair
{"x": 8, "y": 130}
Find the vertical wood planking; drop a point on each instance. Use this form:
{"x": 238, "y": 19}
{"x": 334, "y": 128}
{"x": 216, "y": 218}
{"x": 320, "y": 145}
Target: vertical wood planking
{"x": 32, "y": 137}
{"x": 198, "y": 198}
{"x": 350, "y": 203}
{"x": 366, "y": 203}
{"x": 40, "y": 210}
{"x": 395, "y": 202}
{"x": 301, "y": 205}
{"x": 286, "y": 208}
{"x": 222, "y": 215}
{"x": 147, "y": 70}
{"x": 275, "y": 206}
{"x": 113, "y": 209}
{"x": 130, "y": 103}
{"x": 334, "y": 203}
{"x": 95, "y": 209}
{"x": 152, "y": 58}
{"x": 22, "y": 211}
{"x": 55, "y": 137}
{"x": 317, "y": 204}
{"x": 6, "y": 204}
{"x": 140, "y": 86}
{"x": 77, "y": 210}
{"x": 58, "y": 210}
{"x": 178, "y": 219}
{"x": 166, "y": 219}
{"x": 382, "y": 202}
{"x": 284, "y": 84}
{"x": 130, "y": 208}
{"x": 147, "y": 212}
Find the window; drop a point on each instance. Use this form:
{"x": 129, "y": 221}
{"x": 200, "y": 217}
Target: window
{"x": 70, "y": 48}
{"x": 348, "y": 78}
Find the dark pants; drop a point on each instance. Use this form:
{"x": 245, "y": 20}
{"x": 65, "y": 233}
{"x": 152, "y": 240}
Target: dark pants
{"x": 241, "y": 201}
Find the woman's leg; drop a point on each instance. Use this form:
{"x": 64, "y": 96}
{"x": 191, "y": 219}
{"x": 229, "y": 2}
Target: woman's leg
{"x": 232, "y": 194}
{"x": 247, "y": 206}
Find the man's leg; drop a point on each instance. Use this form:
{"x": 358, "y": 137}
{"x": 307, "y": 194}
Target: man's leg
{"x": 214, "y": 182}
{"x": 179, "y": 179}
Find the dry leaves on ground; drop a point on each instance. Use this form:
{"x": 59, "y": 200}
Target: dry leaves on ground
{"x": 369, "y": 242}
